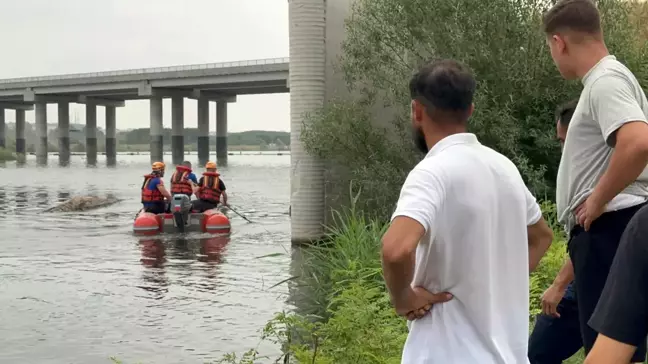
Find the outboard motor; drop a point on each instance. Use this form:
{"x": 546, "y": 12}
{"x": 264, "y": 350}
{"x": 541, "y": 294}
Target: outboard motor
{"x": 181, "y": 207}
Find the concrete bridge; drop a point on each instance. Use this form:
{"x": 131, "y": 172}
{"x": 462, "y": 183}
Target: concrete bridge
{"x": 316, "y": 31}
{"x": 219, "y": 82}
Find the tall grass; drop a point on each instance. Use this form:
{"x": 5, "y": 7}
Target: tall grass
{"x": 350, "y": 252}
{"x": 345, "y": 315}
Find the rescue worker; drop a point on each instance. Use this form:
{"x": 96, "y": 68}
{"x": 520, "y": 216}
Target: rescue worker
{"x": 183, "y": 180}
{"x": 209, "y": 190}
{"x": 153, "y": 190}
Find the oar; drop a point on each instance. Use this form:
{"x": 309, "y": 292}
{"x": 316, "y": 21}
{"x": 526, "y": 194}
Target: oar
{"x": 238, "y": 213}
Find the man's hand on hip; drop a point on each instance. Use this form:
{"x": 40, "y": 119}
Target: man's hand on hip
{"x": 417, "y": 302}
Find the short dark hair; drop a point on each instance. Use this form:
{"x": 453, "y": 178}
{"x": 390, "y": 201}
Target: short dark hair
{"x": 565, "y": 112}
{"x": 446, "y": 88}
{"x": 575, "y": 15}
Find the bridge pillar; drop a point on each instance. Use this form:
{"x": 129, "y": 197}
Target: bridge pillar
{"x": 156, "y": 129}
{"x": 177, "y": 129}
{"x": 41, "y": 132}
{"x": 111, "y": 136}
{"x": 203, "y": 131}
{"x": 91, "y": 134}
{"x": 2, "y": 128}
{"x": 64, "y": 133}
{"x": 307, "y": 80}
{"x": 221, "y": 132}
{"x": 20, "y": 132}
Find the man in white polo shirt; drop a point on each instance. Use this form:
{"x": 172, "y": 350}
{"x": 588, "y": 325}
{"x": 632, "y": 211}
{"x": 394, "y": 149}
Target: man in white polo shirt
{"x": 467, "y": 229}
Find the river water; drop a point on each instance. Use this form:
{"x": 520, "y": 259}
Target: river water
{"x": 79, "y": 287}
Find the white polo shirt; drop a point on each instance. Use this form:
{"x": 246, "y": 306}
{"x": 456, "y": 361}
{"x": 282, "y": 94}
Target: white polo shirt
{"x": 475, "y": 209}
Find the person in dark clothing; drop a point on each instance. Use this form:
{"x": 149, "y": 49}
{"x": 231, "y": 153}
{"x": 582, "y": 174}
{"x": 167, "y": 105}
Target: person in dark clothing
{"x": 556, "y": 334}
{"x": 621, "y": 315}
{"x": 209, "y": 190}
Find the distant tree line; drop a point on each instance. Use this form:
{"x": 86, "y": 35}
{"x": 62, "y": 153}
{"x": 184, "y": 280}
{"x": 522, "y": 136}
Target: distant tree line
{"x": 258, "y": 139}
{"x": 252, "y": 137}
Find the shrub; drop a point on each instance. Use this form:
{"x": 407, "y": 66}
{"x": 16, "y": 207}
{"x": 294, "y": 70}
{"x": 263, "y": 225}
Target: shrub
{"x": 518, "y": 85}
{"x": 6, "y": 155}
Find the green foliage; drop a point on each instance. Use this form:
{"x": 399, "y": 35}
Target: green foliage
{"x": 518, "y": 85}
{"x": 6, "y": 155}
{"x": 348, "y": 318}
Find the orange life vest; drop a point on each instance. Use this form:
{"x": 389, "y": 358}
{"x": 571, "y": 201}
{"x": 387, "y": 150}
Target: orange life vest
{"x": 179, "y": 182}
{"x": 149, "y": 195}
{"x": 209, "y": 190}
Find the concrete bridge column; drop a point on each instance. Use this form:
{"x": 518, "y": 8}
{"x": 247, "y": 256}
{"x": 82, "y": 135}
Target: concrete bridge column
{"x": 307, "y": 80}
{"x": 177, "y": 130}
{"x": 221, "y": 132}
{"x": 157, "y": 144}
{"x": 111, "y": 136}
{"x": 41, "y": 132}
{"x": 64, "y": 133}
{"x": 91, "y": 134}
{"x": 2, "y": 128}
{"x": 20, "y": 132}
{"x": 203, "y": 131}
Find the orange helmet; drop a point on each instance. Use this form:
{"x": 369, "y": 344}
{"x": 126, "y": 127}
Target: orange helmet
{"x": 210, "y": 165}
{"x": 158, "y": 166}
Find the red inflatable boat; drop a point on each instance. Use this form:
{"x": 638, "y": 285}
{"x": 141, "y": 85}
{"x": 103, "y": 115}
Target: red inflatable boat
{"x": 211, "y": 221}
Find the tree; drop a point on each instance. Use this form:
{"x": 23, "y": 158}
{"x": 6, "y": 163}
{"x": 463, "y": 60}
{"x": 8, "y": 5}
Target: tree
{"x": 518, "y": 85}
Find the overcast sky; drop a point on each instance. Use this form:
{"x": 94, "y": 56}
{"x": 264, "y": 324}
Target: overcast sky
{"x": 46, "y": 37}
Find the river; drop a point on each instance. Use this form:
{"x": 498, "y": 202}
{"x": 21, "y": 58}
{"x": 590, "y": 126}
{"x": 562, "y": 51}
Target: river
{"x": 79, "y": 287}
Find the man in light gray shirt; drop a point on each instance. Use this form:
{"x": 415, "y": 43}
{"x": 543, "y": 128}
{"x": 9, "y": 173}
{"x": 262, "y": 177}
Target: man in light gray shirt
{"x": 602, "y": 178}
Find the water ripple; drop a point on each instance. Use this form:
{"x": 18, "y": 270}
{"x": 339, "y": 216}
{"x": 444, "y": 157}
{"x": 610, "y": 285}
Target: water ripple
{"x": 78, "y": 287}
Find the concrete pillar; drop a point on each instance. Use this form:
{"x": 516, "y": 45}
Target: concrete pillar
{"x": 307, "y": 80}
{"x": 41, "y": 132}
{"x": 177, "y": 130}
{"x": 157, "y": 145}
{"x": 64, "y": 133}
{"x": 111, "y": 135}
{"x": 2, "y": 128}
{"x": 91, "y": 134}
{"x": 203, "y": 131}
{"x": 20, "y": 131}
{"x": 221, "y": 132}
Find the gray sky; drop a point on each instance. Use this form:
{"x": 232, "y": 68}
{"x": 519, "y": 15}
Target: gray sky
{"x": 70, "y": 36}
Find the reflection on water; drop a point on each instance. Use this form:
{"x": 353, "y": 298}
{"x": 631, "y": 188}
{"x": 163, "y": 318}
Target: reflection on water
{"x": 79, "y": 287}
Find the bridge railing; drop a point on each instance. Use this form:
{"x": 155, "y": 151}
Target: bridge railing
{"x": 254, "y": 62}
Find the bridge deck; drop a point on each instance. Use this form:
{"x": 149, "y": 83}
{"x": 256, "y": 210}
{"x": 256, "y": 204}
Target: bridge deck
{"x": 233, "y": 78}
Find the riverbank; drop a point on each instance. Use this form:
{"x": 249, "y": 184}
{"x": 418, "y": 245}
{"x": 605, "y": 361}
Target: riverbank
{"x": 6, "y": 155}
{"x": 345, "y": 315}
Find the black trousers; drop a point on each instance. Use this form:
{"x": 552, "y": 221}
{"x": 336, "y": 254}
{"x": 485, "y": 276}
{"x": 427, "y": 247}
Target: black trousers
{"x": 156, "y": 208}
{"x": 202, "y": 205}
{"x": 622, "y": 311}
{"x": 592, "y": 253}
{"x": 556, "y": 339}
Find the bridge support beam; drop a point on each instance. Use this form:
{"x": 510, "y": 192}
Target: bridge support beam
{"x": 41, "y": 133}
{"x": 91, "y": 134}
{"x": 2, "y": 129}
{"x": 20, "y": 132}
{"x": 221, "y": 132}
{"x": 64, "y": 133}
{"x": 203, "y": 131}
{"x": 157, "y": 145}
{"x": 177, "y": 129}
{"x": 307, "y": 80}
{"x": 111, "y": 136}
